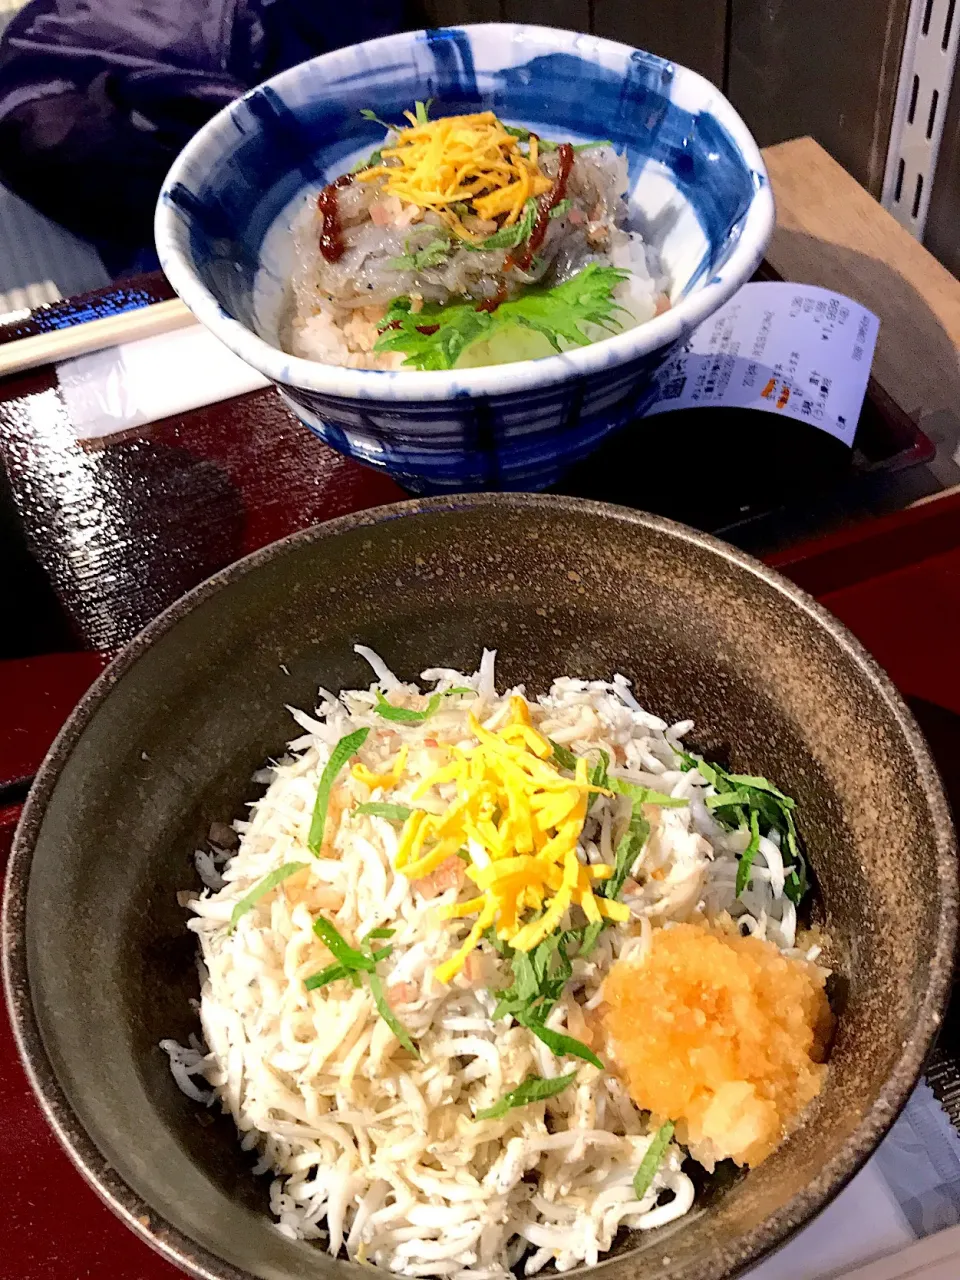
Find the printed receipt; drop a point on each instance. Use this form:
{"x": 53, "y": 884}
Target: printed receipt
{"x": 791, "y": 349}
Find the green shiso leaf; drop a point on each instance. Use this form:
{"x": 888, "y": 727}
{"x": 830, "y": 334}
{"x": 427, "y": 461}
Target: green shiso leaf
{"x": 435, "y": 336}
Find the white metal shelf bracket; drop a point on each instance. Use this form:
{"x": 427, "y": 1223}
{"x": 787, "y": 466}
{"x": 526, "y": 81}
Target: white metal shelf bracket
{"x": 926, "y": 76}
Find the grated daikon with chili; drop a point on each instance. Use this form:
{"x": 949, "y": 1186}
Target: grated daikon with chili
{"x": 722, "y": 1034}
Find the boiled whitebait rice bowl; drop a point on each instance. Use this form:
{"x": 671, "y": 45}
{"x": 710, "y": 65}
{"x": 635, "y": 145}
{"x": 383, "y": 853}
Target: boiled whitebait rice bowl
{"x": 464, "y": 241}
{"x": 483, "y": 974}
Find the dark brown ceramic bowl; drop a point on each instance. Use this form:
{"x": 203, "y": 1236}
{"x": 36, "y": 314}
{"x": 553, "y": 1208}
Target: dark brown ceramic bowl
{"x": 99, "y": 966}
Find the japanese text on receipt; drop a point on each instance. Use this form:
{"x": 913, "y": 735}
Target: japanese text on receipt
{"x": 795, "y": 350}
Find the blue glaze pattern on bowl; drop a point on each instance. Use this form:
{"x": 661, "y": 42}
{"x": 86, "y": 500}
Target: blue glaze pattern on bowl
{"x": 698, "y": 192}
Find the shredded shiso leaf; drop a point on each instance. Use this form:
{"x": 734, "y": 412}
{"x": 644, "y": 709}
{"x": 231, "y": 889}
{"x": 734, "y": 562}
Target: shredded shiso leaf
{"x": 652, "y": 1160}
{"x": 435, "y": 336}
{"x": 339, "y": 756}
{"x": 351, "y": 963}
{"x": 533, "y": 1089}
{"x": 262, "y": 889}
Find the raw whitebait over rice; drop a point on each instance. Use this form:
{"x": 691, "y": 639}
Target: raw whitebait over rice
{"x": 484, "y": 971}
{"x": 465, "y": 241}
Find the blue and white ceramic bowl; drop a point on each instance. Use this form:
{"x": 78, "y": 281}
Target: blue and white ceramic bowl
{"x": 698, "y": 191}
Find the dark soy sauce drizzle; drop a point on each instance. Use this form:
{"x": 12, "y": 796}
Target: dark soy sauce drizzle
{"x": 491, "y": 304}
{"x": 331, "y": 232}
{"x": 546, "y": 202}
{"x": 544, "y": 205}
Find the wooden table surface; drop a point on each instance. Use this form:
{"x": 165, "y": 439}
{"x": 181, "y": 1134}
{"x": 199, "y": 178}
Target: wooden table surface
{"x": 831, "y": 232}
{"x": 122, "y": 529}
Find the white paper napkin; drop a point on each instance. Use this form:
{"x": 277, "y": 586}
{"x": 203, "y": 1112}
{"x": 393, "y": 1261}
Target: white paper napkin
{"x": 909, "y": 1189}
{"x": 138, "y": 382}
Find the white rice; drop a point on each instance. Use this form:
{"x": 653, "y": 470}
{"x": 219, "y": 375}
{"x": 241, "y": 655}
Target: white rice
{"x": 375, "y": 1153}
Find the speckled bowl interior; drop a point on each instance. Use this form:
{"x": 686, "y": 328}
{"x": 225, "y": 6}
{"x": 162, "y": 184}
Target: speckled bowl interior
{"x": 99, "y": 966}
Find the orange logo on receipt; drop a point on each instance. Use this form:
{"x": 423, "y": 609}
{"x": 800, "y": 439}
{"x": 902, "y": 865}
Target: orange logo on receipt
{"x": 770, "y": 389}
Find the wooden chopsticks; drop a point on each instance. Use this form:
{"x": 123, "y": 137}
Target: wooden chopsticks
{"x": 78, "y": 339}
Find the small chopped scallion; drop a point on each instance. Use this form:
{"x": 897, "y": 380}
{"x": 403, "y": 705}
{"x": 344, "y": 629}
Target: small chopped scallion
{"x": 533, "y": 1089}
{"x": 563, "y": 757}
{"x": 355, "y": 963}
{"x": 389, "y": 1017}
{"x": 652, "y": 1160}
{"x": 380, "y": 809}
{"x": 562, "y": 1045}
{"x": 335, "y": 942}
{"x": 268, "y": 882}
{"x": 347, "y": 746}
{"x": 403, "y": 715}
{"x": 372, "y": 115}
{"x": 598, "y": 774}
{"x": 744, "y": 801}
{"x": 748, "y": 855}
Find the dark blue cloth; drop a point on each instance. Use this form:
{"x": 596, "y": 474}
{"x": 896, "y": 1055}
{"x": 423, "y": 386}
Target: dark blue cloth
{"x": 98, "y": 96}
